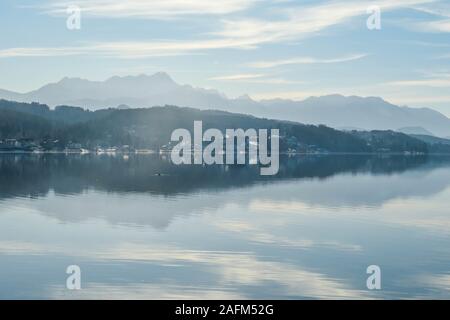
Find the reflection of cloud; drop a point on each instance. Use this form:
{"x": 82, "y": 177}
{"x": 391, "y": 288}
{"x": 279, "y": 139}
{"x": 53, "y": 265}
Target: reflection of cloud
{"x": 440, "y": 281}
{"x": 143, "y": 291}
{"x": 261, "y": 235}
{"x": 242, "y": 269}
{"x": 431, "y": 215}
{"x": 278, "y": 206}
{"x": 432, "y": 286}
{"x": 233, "y": 272}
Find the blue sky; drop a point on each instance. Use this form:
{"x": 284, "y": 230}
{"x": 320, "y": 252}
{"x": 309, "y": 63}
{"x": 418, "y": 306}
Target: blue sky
{"x": 267, "y": 49}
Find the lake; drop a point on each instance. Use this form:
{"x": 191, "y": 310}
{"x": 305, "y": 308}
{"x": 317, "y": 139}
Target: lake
{"x": 142, "y": 228}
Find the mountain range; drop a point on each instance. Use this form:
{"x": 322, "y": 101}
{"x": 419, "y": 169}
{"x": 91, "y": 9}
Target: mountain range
{"x": 337, "y": 111}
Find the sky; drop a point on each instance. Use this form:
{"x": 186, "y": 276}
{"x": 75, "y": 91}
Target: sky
{"x": 264, "y": 48}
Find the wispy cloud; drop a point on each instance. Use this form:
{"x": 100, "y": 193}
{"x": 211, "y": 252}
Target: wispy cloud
{"x": 136, "y": 49}
{"x": 437, "y": 9}
{"x": 438, "y": 83}
{"x": 288, "y": 95}
{"x": 303, "y": 21}
{"x": 238, "y": 77}
{"x": 42, "y": 52}
{"x": 434, "y": 26}
{"x": 245, "y": 32}
{"x": 436, "y": 79}
{"x": 255, "y": 78}
{"x": 153, "y": 9}
{"x": 304, "y": 60}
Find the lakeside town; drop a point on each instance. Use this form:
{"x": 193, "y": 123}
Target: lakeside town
{"x": 54, "y": 146}
{"x": 292, "y": 147}
{"x": 57, "y": 146}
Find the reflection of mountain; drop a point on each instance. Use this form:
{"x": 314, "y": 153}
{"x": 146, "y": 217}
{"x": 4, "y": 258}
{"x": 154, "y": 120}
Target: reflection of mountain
{"x": 159, "y": 89}
{"x": 29, "y": 175}
{"x": 149, "y": 190}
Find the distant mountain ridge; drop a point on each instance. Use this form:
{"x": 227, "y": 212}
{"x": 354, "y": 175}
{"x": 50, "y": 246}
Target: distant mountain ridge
{"x": 415, "y": 131}
{"x": 337, "y": 111}
{"x": 371, "y": 113}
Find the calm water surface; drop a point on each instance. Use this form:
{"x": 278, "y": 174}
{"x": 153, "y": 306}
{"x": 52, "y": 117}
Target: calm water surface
{"x": 141, "y": 228}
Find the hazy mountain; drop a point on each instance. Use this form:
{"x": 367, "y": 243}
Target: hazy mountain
{"x": 368, "y": 113}
{"x": 159, "y": 89}
{"x": 415, "y": 131}
{"x": 133, "y": 91}
{"x": 13, "y": 96}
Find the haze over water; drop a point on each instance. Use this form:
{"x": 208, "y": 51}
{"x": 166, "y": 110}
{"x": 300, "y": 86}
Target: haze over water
{"x": 140, "y": 227}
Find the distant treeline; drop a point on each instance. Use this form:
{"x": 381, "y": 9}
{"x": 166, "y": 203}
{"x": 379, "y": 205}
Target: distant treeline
{"x": 152, "y": 128}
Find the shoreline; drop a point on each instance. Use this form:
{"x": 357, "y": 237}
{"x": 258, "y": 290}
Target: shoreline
{"x": 168, "y": 152}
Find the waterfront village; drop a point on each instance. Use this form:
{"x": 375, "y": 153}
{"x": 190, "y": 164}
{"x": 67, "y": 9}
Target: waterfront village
{"x": 56, "y": 146}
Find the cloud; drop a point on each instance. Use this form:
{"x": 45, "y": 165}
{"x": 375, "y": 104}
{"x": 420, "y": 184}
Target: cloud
{"x": 304, "y": 60}
{"x": 302, "y": 21}
{"x": 245, "y": 32}
{"x": 438, "y": 9}
{"x": 239, "y": 77}
{"x": 275, "y": 81}
{"x": 441, "y": 26}
{"x": 254, "y": 78}
{"x": 438, "y": 83}
{"x": 127, "y": 50}
{"x": 440, "y": 79}
{"x": 154, "y": 9}
{"x": 43, "y": 52}
{"x": 288, "y": 95}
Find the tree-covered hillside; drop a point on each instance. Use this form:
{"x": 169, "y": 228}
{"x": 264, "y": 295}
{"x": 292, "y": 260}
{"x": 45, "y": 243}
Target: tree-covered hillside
{"x": 152, "y": 128}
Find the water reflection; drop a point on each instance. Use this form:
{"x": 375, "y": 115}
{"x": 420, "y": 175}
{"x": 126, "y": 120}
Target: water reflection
{"x": 351, "y": 181}
{"x": 36, "y": 175}
{"x": 143, "y": 228}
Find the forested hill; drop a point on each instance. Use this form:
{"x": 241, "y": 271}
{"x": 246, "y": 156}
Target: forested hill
{"x": 64, "y": 114}
{"x": 152, "y": 127}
